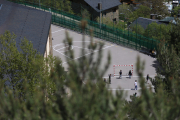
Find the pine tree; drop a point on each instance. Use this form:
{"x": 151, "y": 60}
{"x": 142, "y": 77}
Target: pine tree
{"x": 80, "y": 94}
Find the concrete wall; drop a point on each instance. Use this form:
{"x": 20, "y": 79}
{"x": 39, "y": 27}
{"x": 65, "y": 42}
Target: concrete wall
{"x": 112, "y": 13}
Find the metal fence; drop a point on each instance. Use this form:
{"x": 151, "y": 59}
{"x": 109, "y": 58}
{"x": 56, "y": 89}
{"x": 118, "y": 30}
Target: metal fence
{"x": 115, "y": 35}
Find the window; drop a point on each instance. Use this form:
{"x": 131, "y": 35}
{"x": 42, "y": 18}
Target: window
{"x": 114, "y": 10}
{"x": 0, "y": 6}
{"x": 104, "y": 14}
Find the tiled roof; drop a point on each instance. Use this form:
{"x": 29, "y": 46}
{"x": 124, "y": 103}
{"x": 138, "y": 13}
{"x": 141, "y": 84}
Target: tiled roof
{"x": 167, "y": 19}
{"x": 144, "y": 22}
{"x": 106, "y": 4}
{"x": 25, "y": 22}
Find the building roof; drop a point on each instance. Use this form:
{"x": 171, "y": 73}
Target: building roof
{"x": 25, "y": 22}
{"x": 167, "y": 19}
{"x": 144, "y": 22}
{"x": 106, "y": 4}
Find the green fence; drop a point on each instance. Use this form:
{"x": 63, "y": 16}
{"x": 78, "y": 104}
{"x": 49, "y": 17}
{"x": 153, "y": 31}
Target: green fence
{"x": 118, "y": 36}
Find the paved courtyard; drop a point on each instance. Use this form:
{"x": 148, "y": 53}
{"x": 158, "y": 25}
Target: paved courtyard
{"x": 120, "y": 55}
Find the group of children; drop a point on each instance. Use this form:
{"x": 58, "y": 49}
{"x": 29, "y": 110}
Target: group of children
{"x": 130, "y": 74}
{"x": 120, "y": 74}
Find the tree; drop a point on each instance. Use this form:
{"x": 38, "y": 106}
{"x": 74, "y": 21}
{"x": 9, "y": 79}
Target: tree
{"x": 161, "y": 105}
{"x": 64, "y": 5}
{"x": 138, "y": 29}
{"x": 159, "y": 8}
{"x": 18, "y": 65}
{"x": 142, "y": 11}
{"x": 81, "y": 94}
{"x": 107, "y": 21}
{"x": 125, "y": 11}
{"x": 175, "y": 36}
{"x": 85, "y": 14}
{"x": 175, "y": 11}
{"x": 158, "y": 31}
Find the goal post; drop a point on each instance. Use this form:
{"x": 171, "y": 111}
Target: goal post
{"x": 125, "y": 69}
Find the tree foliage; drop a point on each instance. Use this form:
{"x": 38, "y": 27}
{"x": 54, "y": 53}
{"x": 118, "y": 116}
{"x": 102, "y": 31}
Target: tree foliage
{"x": 107, "y": 21}
{"x": 158, "y": 31}
{"x": 20, "y": 65}
{"x": 175, "y": 36}
{"x": 159, "y": 8}
{"x": 175, "y": 11}
{"x": 142, "y": 11}
{"x": 125, "y": 11}
{"x": 64, "y": 5}
{"x": 81, "y": 93}
{"x": 137, "y": 29}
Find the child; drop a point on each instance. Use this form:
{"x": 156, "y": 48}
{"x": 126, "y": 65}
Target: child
{"x": 130, "y": 74}
{"x": 147, "y": 78}
{"x": 120, "y": 74}
{"x": 110, "y": 79}
{"x": 135, "y": 84}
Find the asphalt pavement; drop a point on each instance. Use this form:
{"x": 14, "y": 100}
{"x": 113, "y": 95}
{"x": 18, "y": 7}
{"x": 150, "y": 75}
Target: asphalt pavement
{"x": 120, "y": 55}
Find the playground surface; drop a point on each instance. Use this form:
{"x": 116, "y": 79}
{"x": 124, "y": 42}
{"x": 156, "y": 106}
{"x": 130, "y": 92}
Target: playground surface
{"x": 120, "y": 55}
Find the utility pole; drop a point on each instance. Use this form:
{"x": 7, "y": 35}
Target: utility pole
{"x": 100, "y": 13}
{"x": 39, "y": 4}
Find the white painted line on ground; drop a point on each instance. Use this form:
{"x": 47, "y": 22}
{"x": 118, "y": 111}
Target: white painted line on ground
{"x": 91, "y": 52}
{"x": 61, "y": 52}
{"x": 58, "y": 31}
{"x": 128, "y": 76}
{"x": 81, "y": 47}
{"x": 57, "y": 45}
{"x": 61, "y": 48}
{"x": 88, "y": 54}
{"x": 64, "y": 55}
{"x": 130, "y": 89}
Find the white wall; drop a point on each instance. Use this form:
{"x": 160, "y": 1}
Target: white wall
{"x": 47, "y": 48}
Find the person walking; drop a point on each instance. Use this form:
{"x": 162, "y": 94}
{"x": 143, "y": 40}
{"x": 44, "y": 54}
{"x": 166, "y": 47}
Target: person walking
{"x": 130, "y": 74}
{"x": 109, "y": 78}
{"x": 147, "y": 78}
{"x": 120, "y": 74}
{"x": 135, "y": 84}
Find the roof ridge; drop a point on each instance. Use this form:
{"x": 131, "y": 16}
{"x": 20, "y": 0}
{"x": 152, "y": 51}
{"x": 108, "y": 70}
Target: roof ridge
{"x": 42, "y": 30}
{"x": 155, "y": 20}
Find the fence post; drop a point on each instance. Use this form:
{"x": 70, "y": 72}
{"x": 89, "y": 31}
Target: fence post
{"x": 61, "y": 13}
{"x": 39, "y": 4}
{"x": 25, "y": 3}
{"x": 128, "y": 34}
{"x": 59, "y": 17}
{"x": 152, "y": 43}
{"x": 113, "y": 20}
{"x": 136, "y": 28}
